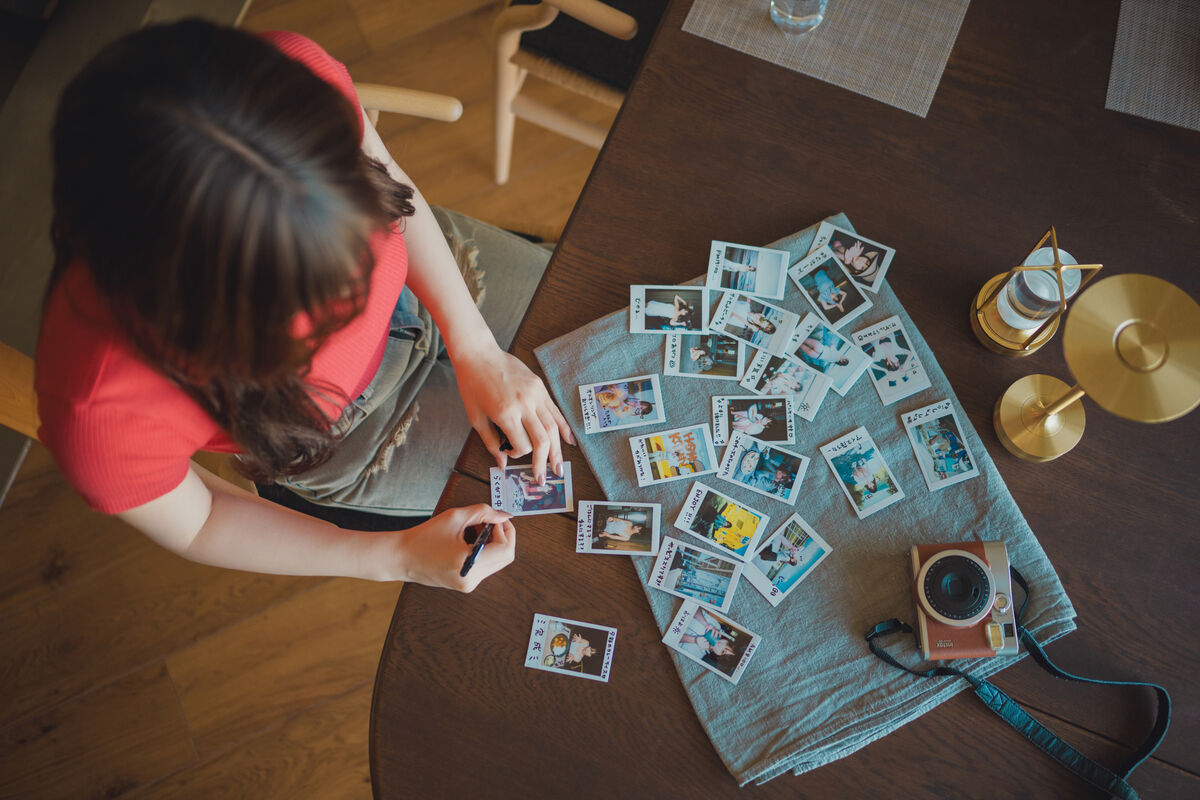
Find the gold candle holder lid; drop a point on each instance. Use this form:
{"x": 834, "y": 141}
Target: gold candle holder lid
{"x": 988, "y": 322}
{"x": 1133, "y": 344}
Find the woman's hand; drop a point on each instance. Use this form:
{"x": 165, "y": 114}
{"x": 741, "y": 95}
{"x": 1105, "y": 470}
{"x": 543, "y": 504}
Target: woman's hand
{"x": 497, "y": 388}
{"x": 433, "y": 552}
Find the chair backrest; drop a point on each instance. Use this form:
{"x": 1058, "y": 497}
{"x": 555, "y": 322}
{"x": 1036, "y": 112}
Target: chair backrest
{"x": 395, "y": 100}
{"x": 18, "y": 401}
{"x": 593, "y": 48}
{"x": 610, "y": 58}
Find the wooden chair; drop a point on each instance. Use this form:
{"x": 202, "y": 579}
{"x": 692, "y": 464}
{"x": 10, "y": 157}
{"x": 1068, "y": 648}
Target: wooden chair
{"x": 373, "y": 96}
{"x": 518, "y": 56}
{"x": 376, "y": 97}
{"x": 18, "y": 403}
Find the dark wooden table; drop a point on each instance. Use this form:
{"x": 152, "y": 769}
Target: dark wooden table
{"x": 715, "y": 144}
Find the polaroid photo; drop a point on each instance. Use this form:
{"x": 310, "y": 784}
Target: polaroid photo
{"x": 515, "y": 490}
{"x": 817, "y": 345}
{"x": 939, "y": 445}
{"x": 895, "y": 369}
{"x": 776, "y": 375}
{"x": 786, "y": 558}
{"x": 755, "y": 322}
{"x": 828, "y": 289}
{"x": 623, "y": 403}
{"x": 865, "y": 260}
{"x": 668, "y": 309}
{"x": 712, "y": 640}
{"x": 767, "y": 417}
{"x": 721, "y": 521}
{"x": 696, "y": 574}
{"x": 673, "y": 455}
{"x": 862, "y": 473}
{"x": 763, "y": 467}
{"x": 759, "y": 271}
{"x": 618, "y": 529}
{"x": 704, "y": 355}
{"x": 570, "y": 647}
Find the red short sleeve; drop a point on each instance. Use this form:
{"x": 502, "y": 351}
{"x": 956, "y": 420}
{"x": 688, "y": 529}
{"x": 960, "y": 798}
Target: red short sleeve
{"x": 122, "y": 433}
{"x": 312, "y": 55}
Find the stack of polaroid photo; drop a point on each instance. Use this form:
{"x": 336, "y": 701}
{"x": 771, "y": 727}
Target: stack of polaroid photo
{"x": 785, "y": 365}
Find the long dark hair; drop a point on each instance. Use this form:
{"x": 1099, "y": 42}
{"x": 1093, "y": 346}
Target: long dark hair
{"x": 217, "y": 192}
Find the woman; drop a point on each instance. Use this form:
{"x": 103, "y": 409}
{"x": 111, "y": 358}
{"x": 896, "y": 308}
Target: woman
{"x": 618, "y": 401}
{"x": 620, "y": 529}
{"x": 750, "y": 421}
{"x": 828, "y": 295}
{"x": 751, "y": 471}
{"x": 889, "y": 354}
{"x": 750, "y": 321}
{"x": 701, "y": 358}
{"x": 862, "y": 264}
{"x": 240, "y": 266}
{"x": 784, "y": 380}
{"x": 864, "y": 479}
{"x": 705, "y": 639}
{"x": 730, "y": 535}
{"x": 739, "y": 276}
{"x": 661, "y": 315}
{"x": 820, "y": 351}
{"x": 581, "y": 648}
{"x": 749, "y": 325}
{"x": 775, "y": 553}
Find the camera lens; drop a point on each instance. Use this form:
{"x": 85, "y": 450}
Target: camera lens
{"x": 957, "y": 587}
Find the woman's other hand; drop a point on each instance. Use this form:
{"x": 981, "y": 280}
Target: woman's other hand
{"x": 497, "y": 388}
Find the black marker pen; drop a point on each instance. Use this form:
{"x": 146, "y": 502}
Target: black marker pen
{"x": 484, "y": 535}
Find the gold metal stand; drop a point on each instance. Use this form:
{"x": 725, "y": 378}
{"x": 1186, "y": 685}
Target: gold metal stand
{"x": 997, "y": 335}
{"x": 1039, "y": 418}
{"x": 1134, "y": 342}
{"x": 1000, "y": 337}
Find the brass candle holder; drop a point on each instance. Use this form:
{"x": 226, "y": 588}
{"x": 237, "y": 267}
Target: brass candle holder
{"x": 1133, "y": 344}
{"x": 1018, "y": 311}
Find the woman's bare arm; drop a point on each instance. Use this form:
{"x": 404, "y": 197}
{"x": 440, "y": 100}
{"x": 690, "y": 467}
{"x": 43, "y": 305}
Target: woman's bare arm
{"x": 209, "y": 520}
{"x": 495, "y": 386}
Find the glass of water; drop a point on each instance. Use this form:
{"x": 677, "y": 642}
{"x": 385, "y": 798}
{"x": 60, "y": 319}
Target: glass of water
{"x": 797, "y": 16}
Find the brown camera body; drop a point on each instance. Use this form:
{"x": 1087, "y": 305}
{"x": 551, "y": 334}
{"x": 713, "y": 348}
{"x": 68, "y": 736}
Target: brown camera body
{"x": 963, "y": 593}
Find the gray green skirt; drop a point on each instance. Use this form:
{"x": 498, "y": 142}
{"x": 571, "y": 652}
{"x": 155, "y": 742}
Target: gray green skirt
{"x": 403, "y": 434}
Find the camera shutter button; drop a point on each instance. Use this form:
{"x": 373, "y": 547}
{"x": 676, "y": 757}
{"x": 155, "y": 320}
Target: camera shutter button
{"x": 1001, "y": 602}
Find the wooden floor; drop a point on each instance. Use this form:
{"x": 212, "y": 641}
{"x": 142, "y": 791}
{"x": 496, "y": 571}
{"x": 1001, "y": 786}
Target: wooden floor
{"x": 128, "y": 672}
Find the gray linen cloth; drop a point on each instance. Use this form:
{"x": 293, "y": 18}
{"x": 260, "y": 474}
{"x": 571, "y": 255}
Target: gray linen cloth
{"x": 813, "y": 692}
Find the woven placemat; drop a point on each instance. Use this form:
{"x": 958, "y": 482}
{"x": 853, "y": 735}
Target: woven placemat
{"x": 893, "y": 51}
{"x": 1156, "y": 62}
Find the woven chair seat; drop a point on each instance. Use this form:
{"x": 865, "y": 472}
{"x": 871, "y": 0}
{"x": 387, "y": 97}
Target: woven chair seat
{"x": 608, "y": 61}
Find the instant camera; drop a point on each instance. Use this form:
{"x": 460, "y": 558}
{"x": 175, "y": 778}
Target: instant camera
{"x": 964, "y": 600}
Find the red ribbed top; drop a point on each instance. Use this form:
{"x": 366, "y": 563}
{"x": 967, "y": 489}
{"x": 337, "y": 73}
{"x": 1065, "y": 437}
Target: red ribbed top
{"x": 123, "y": 434}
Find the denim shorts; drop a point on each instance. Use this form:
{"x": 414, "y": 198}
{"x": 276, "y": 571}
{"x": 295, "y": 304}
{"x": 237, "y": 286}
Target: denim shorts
{"x": 402, "y": 436}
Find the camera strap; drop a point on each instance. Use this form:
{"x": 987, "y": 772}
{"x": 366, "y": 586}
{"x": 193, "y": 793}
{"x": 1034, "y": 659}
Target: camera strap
{"x": 1114, "y": 782}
